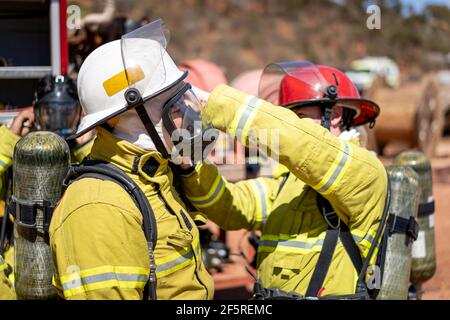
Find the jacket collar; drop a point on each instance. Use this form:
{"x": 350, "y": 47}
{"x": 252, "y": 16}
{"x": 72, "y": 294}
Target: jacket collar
{"x": 130, "y": 158}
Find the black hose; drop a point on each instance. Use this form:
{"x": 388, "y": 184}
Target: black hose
{"x": 379, "y": 232}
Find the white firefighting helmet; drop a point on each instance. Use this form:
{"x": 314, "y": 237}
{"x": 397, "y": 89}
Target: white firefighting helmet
{"x": 124, "y": 74}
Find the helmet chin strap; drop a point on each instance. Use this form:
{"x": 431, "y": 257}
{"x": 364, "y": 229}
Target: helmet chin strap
{"x": 326, "y": 117}
{"x": 133, "y": 98}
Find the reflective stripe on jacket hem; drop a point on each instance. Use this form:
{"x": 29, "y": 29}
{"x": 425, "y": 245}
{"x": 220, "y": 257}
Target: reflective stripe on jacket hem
{"x": 103, "y": 277}
{"x": 177, "y": 261}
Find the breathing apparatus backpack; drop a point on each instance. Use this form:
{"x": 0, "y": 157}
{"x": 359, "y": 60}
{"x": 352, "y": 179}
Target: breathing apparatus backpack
{"x": 106, "y": 171}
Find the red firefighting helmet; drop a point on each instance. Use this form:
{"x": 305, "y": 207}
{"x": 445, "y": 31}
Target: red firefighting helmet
{"x": 298, "y": 84}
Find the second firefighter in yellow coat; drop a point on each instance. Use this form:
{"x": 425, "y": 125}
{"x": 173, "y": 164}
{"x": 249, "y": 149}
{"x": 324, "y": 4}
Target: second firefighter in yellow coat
{"x": 293, "y": 230}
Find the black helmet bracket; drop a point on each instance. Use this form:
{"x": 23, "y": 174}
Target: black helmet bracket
{"x": 134, "y": 100}
{"x": 330, "y": 93}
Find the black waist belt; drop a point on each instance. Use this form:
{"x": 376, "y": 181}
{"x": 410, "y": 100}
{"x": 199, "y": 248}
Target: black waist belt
{"x": 397, "y": 224}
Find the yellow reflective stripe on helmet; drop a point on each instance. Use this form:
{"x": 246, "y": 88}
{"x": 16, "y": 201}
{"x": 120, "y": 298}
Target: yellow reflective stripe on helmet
{"x": 336, "y": 171}
{"x": 262, "y": 201}
{"x": 123, "y": 80}
{"x": 177, "y": 261}
{"x": 5, "y": 163}
{"x": 103, "y": 278}
{"x": 214, "y": 194}
{"x": 244, "y": 117}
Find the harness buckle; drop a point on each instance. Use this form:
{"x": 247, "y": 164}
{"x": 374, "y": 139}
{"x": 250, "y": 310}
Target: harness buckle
{"x": 332, "y": 219}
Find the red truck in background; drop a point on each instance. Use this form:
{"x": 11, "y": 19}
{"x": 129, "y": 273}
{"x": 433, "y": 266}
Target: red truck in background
{"x": 33, "y": 43}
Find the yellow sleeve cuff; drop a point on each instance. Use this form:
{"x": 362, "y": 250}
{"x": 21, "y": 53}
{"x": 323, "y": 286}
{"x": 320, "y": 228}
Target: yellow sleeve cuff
{"x": 224, "y": 101}
{"x": 8, "y": 141}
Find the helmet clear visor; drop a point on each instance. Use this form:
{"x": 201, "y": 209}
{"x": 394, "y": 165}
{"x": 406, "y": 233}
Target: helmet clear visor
{"x": 304, "y": 71}
{"x": 142, "y": 53}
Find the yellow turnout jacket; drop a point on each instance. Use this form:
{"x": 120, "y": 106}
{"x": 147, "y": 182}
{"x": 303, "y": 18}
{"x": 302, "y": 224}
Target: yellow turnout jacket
{"x": 293, "y": 230}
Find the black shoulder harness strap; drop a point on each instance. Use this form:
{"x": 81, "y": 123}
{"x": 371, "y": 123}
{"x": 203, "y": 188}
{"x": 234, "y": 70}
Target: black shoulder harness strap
{"x": 336, "y": 230}
{"x": 105, "y": 171}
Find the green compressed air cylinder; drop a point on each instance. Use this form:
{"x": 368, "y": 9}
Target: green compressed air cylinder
{"x": 424, "y": 249}
{"x": 404, "y": 203}
{"x": 40, "y": 163}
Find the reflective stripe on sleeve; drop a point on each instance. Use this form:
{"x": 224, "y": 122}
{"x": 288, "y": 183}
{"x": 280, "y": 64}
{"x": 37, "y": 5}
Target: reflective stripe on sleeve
{"x": 286, "y": 243}
{"x": 336, "y": 170}
{"x": 5, "y": 163}
{"x": 244, "y": 117}
{"x": 214, "y": 194}
{"x": 366, "y": 240}
{"x": 262, "y": 201}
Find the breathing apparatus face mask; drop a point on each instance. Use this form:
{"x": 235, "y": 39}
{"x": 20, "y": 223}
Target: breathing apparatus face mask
{"x": 182, "y": 119}
{"x": 58, "y": 111}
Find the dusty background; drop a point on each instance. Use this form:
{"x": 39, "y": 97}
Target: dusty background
{"x": 245, "y": 34}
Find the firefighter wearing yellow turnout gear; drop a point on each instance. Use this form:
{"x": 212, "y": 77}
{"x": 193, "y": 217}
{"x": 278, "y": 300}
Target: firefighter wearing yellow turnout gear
{"x": 98, "y": 244}
{"x": 293, "y": 230}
